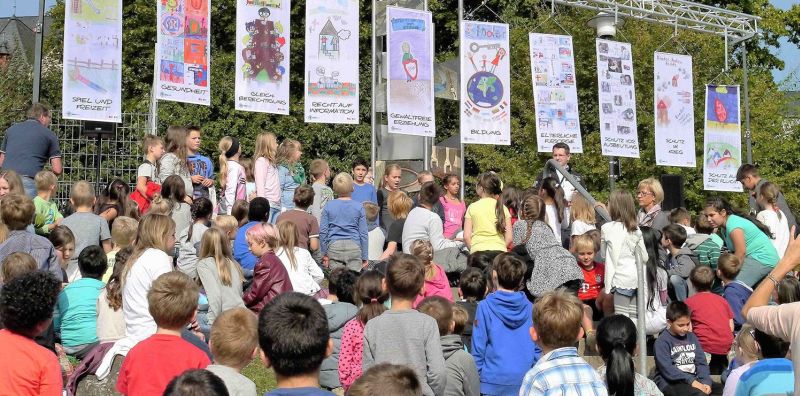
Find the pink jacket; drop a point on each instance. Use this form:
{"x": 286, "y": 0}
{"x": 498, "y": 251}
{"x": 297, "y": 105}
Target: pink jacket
{"x": 438, "y": 286}
{"x": 350, "y": 353}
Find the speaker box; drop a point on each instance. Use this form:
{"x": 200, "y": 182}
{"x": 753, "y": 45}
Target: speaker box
{"x": 673, "y": 192}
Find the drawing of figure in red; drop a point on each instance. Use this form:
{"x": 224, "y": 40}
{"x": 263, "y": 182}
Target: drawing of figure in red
{"x": 720, "y": 110}
{"x": 501, "y": 53}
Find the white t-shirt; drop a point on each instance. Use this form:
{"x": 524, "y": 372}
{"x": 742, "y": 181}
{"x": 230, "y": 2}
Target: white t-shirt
{"x": 307, "y": 275}
{"x": 149, "y": 266}
{"x": 376, "y": 239}
{"x": 779, "y": 227}
{"x": 552, "y": 220}
{"x": 580, "y": 227}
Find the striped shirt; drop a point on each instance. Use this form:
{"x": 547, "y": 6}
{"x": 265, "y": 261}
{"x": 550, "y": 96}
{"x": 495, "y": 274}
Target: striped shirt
{"x": 562, "y": 372}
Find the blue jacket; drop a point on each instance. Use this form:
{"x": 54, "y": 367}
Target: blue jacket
{"x": 241, "y": 252}
{"x": 343, "y": 220}
{"x": 200, "y": 165}
{"x": 501, "y": 342}
{"x": 736, "y": 294}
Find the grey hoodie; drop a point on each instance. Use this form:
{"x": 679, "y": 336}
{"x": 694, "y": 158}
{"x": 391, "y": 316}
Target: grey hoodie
{"x": 682, "y": 263}
{"x": 339, "y": 313}
{"x": 462, "y": 374}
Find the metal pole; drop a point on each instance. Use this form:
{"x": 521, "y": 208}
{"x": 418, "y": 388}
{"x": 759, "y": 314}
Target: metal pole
{"x": 37, "y": 54}
{"x": 746, "y": 93}
{"x": 373, "y": 151}
{"x": 463, "y": 149}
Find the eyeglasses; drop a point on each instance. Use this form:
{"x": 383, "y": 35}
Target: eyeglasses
{"x": 643, "y": 193}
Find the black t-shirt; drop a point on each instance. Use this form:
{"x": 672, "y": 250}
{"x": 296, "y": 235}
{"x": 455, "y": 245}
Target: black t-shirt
{"x": 28, "y": 146}
{"x": 396, "y": 233}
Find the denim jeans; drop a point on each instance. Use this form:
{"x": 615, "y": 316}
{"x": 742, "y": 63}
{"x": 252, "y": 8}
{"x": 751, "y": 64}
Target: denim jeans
{"x": 29, "y": 185}
{"x": 273, "y": 214}
{"x": 680, "y": 286}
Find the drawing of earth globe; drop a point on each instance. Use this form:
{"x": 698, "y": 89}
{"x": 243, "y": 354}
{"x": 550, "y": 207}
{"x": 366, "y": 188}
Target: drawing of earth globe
{"x": 485, "y": 89}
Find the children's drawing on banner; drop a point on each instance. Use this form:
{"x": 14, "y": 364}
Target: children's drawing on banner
{"x": 331, "y": 62}
{"x": 262, "y": 64}
{"x": 674, "y": 110}
{"x": 485, "y": 83}
{"x": 92, "y": 76}
{"x": 722, "y": 153}
{"x": 618, "y": 130}
{"x": 183, "y": 51}
{"x": 410, "y": 65}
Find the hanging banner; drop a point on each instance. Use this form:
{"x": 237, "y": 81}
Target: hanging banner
{"x": 674, "y": 110}
{"x": 554, "y": 92}
{"x": 485, "y": 83}
{"x": 618, "y": 134}
{"x": 722, "y": 140}
{"x": 331, "y": 94}
{"x": 183, "y": 51}
{"x": 409, "y": 86}
{"x": 262, "y": 56}
{"x": 92, "y": 76}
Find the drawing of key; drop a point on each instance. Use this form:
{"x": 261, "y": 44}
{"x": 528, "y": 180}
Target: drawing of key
{"x": 474, "y": 47}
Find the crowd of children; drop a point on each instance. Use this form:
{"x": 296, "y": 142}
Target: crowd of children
{"x": 343, "y": 287}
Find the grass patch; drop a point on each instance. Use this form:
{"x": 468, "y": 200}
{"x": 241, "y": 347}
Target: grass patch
{"x": 262, "y": 376}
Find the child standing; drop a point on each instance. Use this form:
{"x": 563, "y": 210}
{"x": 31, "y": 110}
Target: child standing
{"x": 307, "y": 225}
{"x": 362, "y": 190}
{"x": 553, "y": 196}
{"x": 376, "y": 235}
{"x": 712, "y": 319}
{"x": 201, "y": 168}
{"x": 591, "y": 291}
{"x": 388, "y": 338}
{"x": 174, "y": 162}
{"x": 154, "y": 362}
{"x": 735, "y": 292}
{"x": 220, "y": 276}
{"x": 234, "y": 345}
{"x": 681, "y": 367}
{"x": 370, "y": 296}
{"x": 266, "y": 173}
{"x": 680, "y": 260}
{"x": 320, "y": 173}
{"x": 773, "y": 217}
{"x": 390, "y": 183}
{"x": 436, "y": 283}
{"x": 47, "y": 214}
{"x": 560, "y": 371}
{"x": 269, "y": 275}
{"x": 250, "y": 186}
{"x": 454, "y": 207}
{"x": 89, "y": 229}
{"x": 290, "y": 171}
{"x": 472, "y": 288}
{"x": 232, "y": 178}
{"x": 343, "y": 230}
{"x": 113, "y": 201}
{"x": 16, "y": 213}
{"x": 147, "y": 181}
{"x": 487, "y": 224}
{"x": 501, "y": 343}
{"x": 304, "y": 273}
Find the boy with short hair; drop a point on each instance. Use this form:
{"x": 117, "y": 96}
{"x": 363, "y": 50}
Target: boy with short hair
{"x": 47, "y": 214}
{"x": 16, "y": 213}
{"x": 26, "y": 307}
{"x": 402, "y": 335}
{"x": 234, "y": 344}
{"x": 123, "y": 234}
{"x": 339, "y": 308}
{"x": 320, "y": 173}
{"x": 706, "y": 244}
{"x": 294, "y": 339}
{"x": 501, "y": 342}
{"x": 472, "y": 287}
{"x": 680, "y": 260}
{"x": 343, "y": 232}
{"x": 307, "y": 225}
{"x": 200, "y": 167}
{"x": 387, "y": 379}
{"x": 76, "y": 311}
{"x": 375, "y": 234}
{"x": 154, "y": 362}
{"x": 683, "y": 218}
{"x": 89, "y": 229}
{"x": 362, "y": 191}
{"x": 462, "y": 374}
{"x": 557, "y": 318}
{"x": 681, "y": 366}
{"x": 735, "y": 292}
{"x": 16, "y": 264}
{"x": 591, "y": 291}
{"x": 712, "y": 319}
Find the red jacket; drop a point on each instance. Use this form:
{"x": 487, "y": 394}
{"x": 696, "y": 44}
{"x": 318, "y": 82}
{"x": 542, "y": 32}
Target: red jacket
{"x": 269, "y": 279}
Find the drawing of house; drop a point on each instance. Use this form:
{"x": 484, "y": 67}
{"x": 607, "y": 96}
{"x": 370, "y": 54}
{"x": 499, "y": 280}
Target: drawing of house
{"x": 329, "y": 41}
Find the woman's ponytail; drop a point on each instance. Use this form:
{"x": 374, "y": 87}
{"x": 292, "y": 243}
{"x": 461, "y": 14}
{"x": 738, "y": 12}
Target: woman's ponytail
{"x": 620, "y": 371}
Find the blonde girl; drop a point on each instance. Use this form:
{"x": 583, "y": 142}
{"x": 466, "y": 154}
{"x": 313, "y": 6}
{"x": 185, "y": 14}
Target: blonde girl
{"x": 269, "y": 275}
{"x": 228, "y": 225}
{"x": 582, "y": 218}
{"x": 304, "y": 272}
{"x": 487, "y": 224}
{"x": 247, "y": 164}
{"x": 155, "y": 240}
{"x": 266, "y": 173}
{"x": 773, "y": 217}
{"x": 10, "y": 183}
{"x": 159, "y": 205}
{"x": 220, "y": 276}
{"x": 110, "y": 319}
{"x": 290, "y": 171}
{"x": 391, "y": 182}
{"x": 175, "y": 161}
{"x": 747, "y": 352}
{"x": 232, "y": 178}
{"x": 399, "y": 206}
{"x": 436, "y": 283}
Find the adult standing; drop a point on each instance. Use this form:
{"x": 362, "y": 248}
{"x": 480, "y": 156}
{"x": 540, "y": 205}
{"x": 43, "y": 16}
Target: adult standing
{"x": 176, "y": 160}
{"x": 650, "y": 195}
{"x": 561, "y": 155}
{"x": 28, "y": 145}
{"x": 751, "y": 180}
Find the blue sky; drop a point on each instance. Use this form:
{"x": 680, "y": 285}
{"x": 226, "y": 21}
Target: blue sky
{"x": 788, "y": 52}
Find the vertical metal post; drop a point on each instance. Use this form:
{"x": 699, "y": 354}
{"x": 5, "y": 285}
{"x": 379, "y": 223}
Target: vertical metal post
{"x": 746, "y": 93}
{"x": 37, "y": 54}
{"x": 373, "y": 152}
{"x": 462, "y": 147}
{"x": 153, "y": 96}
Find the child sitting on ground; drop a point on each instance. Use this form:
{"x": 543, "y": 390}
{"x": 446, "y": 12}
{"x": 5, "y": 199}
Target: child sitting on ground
{"x": 123, "y": 234}
{"x": 735, "y": 292}
{"x": 155, "y": 361}
{"x": 472, "y": 288}
{"x": 402, "y": 335}
{"x": 47, "y": 214}
{"x": 16, "y": 213}
{"x": 64, "y": 244}
{"x": 76, "y": 311}
{"x": 307, "y": 225}
{"x": 556, "y": 327}
{"x": 436, "y": 283}
{"x": 234, "y": 344}
{"x": 110, "y": 320}
{"x": 681, "y": 366}
{"x": 89, "y": 229}
{"x": 680, "y": 260}
{"x": 343, "y": 229}
{"x": 294, "y": 340}
{"x": 462, "y": 374}
{"x": 712, "y": 319}
{"x": 591, "y": 291}
{"x": 26, "y": 306}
